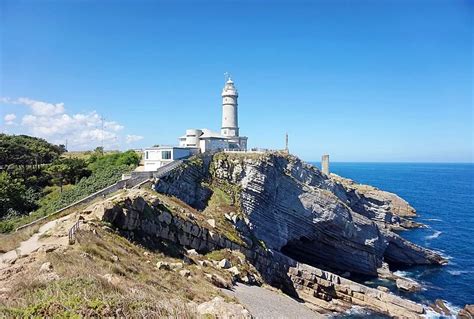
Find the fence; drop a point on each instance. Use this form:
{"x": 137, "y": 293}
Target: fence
{"x": 136, "y": 179}
{"x": 72, "y": 232}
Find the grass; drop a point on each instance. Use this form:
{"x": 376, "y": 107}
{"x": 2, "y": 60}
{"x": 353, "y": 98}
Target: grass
{"x": 219, "y": 204}
{"x": 138, "y": 288}
{"x": 11, "y": 241}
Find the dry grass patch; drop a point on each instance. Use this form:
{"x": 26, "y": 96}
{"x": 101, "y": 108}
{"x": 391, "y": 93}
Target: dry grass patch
{"x": 106, "y": 275}
{"x": 12, "y": 240}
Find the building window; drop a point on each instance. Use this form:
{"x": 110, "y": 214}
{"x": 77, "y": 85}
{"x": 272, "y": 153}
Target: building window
{"x": 146, "y": 155}
{"x": 166, "y": 155}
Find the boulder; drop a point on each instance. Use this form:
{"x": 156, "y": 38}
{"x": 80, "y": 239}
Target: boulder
{"x": 46, "y": 267}
{"x": 192, "y": 252}
{"x": 224, "y": 264}
{"x": 440, "y": 307}
{"x": 218, "y": 281}
{"x": 407, "y": 285}
{"x": 162, "y": 265}
{"x": 111, "y": 278}
{"x": 211, "y": 222}
{"x": 176, "y": 266}
{"x": 234, "y": 271}
{"x": 382, "y": 288}
{"x": 467, "y": 312}
{"x": 185, "y": 273}
{"x": 219, "y": 308}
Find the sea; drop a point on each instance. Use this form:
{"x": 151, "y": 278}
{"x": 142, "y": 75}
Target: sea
{"x": 443, "y": 195}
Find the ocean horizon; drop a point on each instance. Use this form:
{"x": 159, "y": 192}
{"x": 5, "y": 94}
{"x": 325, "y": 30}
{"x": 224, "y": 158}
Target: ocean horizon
{"x": 443, "y": 195}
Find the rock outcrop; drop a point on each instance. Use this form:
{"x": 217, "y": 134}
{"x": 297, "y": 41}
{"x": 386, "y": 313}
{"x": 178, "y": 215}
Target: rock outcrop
{"x": 143, "y": 214}
{"x": 385, "y": 208}
{"x": 295, "y": 209}
{"x": 467, "y": 312}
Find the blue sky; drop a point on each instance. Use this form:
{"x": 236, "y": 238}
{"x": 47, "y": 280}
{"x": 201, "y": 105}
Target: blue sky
{"x": 359, "y": 80}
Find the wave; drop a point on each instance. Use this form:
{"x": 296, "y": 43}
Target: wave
{"x": 435, "y": 235}
{"x": 401, "y": 273}
{"x": 433, "y": 219}
{"x": 431, "y": 314}
{"x": 459, "y": 272}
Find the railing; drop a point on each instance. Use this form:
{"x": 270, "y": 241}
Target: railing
{"x": 164, "y": 170}
{"x": 137, "y": 179}
{"x": 72, "y": 232}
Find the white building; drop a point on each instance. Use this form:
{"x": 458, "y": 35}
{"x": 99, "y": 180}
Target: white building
{"x": 207, "y": 140}
{"x": 203, "y": 140}
{"x": 155, "y": 157}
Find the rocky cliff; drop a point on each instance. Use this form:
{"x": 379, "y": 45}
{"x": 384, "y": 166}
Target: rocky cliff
{"x": 161, "y": 222}
{"x": 295, "y": 209}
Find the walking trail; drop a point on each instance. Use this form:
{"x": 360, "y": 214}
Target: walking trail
{"x": 33, "y": 243}
{"x": 265, "y": 303}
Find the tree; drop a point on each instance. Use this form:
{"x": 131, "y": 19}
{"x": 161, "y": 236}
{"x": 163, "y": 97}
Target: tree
{"x": 58, "y": 171}
{"x": 76, "y": 170}
{"x": 15, "y": 198}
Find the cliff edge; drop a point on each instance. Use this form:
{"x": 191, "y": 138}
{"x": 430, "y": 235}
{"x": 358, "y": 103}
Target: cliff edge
{"x": 295, "y": 209}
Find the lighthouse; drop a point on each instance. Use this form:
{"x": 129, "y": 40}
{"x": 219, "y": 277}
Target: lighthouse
{"x": 230, "y": 121}
{"x": 229, "y": 138}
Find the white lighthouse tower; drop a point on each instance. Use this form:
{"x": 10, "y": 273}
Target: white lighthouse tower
{"x": 230, "y": 121}
{"x": 228, "y": 139}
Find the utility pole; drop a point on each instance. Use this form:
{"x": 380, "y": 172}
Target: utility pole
{"x": 102, "y": 135}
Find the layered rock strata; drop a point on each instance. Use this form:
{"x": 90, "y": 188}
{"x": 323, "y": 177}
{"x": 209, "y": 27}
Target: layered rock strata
{"x": 297, "y": 210}
{"x": 387, "y": 209}
{"x": 324, "y": 290}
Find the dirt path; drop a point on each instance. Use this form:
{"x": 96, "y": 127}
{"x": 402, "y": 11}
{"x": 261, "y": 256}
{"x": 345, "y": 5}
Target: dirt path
{"x": 264, "y": 303}
{"x": 33, "y": 243}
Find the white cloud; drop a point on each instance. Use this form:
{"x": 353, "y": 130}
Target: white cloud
{"x": 82, "y": 130}
{"x": 133, "y": 138}
{"x": 37, "y": 107}
{"x": 9, "y": 119}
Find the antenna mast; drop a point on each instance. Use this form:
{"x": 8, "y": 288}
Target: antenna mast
{"x": 102, "y": 135}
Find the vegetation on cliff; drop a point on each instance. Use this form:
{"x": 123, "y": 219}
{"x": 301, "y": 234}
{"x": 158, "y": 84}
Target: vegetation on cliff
{"x": 36, "y": 178}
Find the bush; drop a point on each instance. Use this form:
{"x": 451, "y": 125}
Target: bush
{"x": 15, "y": 198}
{"x": 85, "y": 187}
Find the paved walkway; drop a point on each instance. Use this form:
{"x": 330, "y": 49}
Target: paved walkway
{"x": 265, "y": 303}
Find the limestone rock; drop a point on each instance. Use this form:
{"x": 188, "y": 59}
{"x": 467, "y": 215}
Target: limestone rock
{"x": 220, "y": 309}
{"x": 205, "y": 263}
{"x": 234, "y": 271}
{"x": 382, "y": 288}
{"x": 467, "y": 312}
{"x": 407, "y": 285}
{"x": 224, "y": 264}
{"x": 185, "y": 273}
{"x": 212, "y": 222}
{"x": 192, "y": 252}
{"x": 111, "y": 278}
{"x": 440, "y": 307}
{"x": 162, "y": 265}
{"x": 176, "y": 266}
{"x": 46, "y": 267}
{"x": 218, "y": 281}
{"x": 295, "y": 209}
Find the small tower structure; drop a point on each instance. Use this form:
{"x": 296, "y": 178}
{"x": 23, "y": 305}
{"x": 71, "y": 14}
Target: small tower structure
{"x": 230, "y": 121}
{"x": 325, "y": 164}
